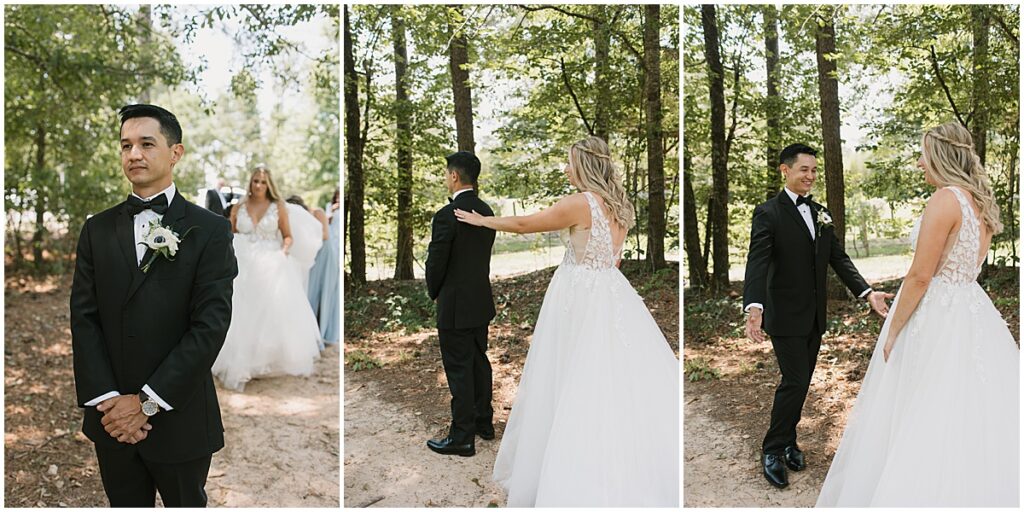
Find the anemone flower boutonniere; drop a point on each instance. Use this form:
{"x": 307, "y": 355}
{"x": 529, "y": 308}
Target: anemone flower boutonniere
{"x": 163, "y": 241}
{"x": 824, "y": 220}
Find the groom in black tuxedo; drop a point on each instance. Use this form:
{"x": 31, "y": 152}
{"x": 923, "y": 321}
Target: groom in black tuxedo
{"x": 458, "y": 270}
{"x": 144, "y": 340}
{"x": 791, "y": 244}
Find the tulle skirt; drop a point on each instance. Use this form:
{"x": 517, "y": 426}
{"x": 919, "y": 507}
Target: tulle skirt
{"x": 595, "y": 421}
{"x": 938, "y": 424}
{"x": 273, "y": 330}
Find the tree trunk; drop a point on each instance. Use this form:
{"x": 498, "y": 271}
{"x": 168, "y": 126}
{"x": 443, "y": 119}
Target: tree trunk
{"x": 773, "y": 102}
{"x": 655, "y": 143}
{"x": 403, "y": 149}
{"x": 458, "y": 59}
{"x": 979, "y": 59}
{"x": 602, "y": 42}
{"x": 40, "y": 203}
{"x": 719, "y": 158}
{"x": 828, "y": 91}
{"x": 355, "y": 217}
{"x": 695, "y": 262}
{"x": 145, "y": 19}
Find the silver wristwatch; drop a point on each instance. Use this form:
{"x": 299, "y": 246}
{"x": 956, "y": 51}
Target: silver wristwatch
{"x": 149, "y": 406}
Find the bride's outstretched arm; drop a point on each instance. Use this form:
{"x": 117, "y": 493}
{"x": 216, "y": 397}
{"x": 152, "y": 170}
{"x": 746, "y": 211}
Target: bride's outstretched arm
{"x": 568, "y": 211}
{"x": 940, "y": 216}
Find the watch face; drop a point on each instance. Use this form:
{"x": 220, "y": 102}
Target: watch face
{"x": 150, "y": 407}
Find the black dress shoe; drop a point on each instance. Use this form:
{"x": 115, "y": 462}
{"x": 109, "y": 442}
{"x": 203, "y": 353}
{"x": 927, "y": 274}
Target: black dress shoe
{"x": 795, "y": 458}
{"x": 485, "y": 433}
{"x": 775, "y": 471}
{"x": 448, "y": 446}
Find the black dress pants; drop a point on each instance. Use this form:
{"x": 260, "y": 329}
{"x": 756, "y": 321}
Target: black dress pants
{"x": 797, "y": 356}
{"x": 131, "y": 481}
{"x": 464, "y": 354}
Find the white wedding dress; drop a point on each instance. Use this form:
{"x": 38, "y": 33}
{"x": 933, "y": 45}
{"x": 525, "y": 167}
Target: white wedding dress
{"x": 595, "y": 421}
{"x": 273, "y": 330}
{"x": 938, "y": 424}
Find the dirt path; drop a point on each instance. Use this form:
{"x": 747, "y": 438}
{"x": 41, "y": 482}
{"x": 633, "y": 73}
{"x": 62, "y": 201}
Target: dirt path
{"x": 281, "y": 445}
{"x": 388, "y": 465}
{"x": 396, "y": 392}
{"x": 721, "y": 468}
{"x": 281, "y": 434}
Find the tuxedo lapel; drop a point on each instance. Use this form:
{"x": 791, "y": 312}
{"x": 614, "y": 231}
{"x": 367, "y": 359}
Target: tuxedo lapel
{"x": 787, "y": 205}
{"x": 124, "y": 227}
{"x": 175, "y": 212}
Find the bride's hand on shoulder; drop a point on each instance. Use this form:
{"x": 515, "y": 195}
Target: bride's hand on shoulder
{"x": 470, "y": 217}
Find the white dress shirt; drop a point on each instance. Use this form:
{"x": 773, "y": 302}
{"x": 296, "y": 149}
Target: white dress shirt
{"x": 142, "y": 221}
{"x": 457, "y": 192}
{"x": 805, "y": 213}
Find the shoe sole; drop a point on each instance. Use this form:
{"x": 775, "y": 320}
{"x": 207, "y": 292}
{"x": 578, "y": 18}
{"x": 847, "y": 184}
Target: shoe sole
{"x": 460, "y": 454}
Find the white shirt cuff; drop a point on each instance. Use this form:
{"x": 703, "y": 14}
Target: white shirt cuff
{"x": 865, "y": 293}
{"x": 152, "y": 394}
{"x": 757, "y": 305}
{"x": 106, "y": 396}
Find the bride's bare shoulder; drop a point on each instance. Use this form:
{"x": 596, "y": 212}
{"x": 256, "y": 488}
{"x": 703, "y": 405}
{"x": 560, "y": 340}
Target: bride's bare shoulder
{"x": 942, "y": 206}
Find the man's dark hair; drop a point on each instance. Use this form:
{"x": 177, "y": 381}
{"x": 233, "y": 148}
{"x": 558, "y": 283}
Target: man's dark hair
{"x": 466, "y": 164}
{"x": 168, "y": 123}
{"x": 296, "y": 200}
{"x": 789, "y": 154}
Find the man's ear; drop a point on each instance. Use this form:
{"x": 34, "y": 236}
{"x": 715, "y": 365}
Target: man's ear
{"x": 177, "y": 151}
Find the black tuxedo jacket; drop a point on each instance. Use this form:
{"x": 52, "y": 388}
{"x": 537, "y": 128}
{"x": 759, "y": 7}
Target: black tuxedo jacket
{"x": 163, "y": 328}
{"x": 213, "y": 202}
{"x": 786, "y": 267}
{"x": 459, "y": 266}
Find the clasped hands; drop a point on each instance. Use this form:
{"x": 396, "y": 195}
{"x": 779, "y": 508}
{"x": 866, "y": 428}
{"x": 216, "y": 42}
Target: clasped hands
{"x": 123, "y": 418}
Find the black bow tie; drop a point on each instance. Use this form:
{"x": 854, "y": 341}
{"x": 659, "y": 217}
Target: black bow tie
{"x": 804, "y": 200}
{"x": 136, "y": 206}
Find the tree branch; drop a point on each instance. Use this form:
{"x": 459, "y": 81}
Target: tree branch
{"x": 622, "y": 37}
{"x": 575, "y": 100}
{"x": 1006, "y": 29}
{"x": 945, "y": 88}
{"x": 735, "y": 103}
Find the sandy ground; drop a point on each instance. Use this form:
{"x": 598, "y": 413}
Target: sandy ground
{"x": 388, "y": 464}
{"x": 281, "y": 434}
{"x": 281, "y": 442}
{"x": 720, "y": 467}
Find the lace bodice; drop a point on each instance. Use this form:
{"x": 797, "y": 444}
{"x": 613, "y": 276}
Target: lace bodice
{"x": 265, "y": 231}
{"x": 960, "y": 265}
{"x": 592, "y": 248}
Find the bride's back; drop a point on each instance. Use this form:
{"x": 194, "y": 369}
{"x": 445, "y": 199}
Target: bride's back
{"x": 965, "y": 248}
{"x": 598, "y": 245}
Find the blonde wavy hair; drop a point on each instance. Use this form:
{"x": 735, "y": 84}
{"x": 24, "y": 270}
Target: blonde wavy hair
{"x": 272, "y": 192}
{"x": 948, "y": 151}
{"x": 591, "y": 167}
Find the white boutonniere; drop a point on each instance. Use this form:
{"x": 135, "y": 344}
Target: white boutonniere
{"x": 824, "y": 220}
{"x": 163, "y": 241}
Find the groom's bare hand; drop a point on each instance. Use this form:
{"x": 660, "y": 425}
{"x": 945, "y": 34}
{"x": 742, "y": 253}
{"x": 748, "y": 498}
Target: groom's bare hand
{"x": 753, "y": 328}
{"x": 142, "y": 434}
{"x": 877, "y": 301}
{"x": 122, "y": 417}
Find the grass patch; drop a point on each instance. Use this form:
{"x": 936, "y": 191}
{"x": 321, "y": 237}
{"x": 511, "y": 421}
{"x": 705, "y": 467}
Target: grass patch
{"x": 358, "y": 360}
{"x": 698, "y": 368}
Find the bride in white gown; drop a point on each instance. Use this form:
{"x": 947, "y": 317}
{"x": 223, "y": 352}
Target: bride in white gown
{"x": 595, "y": 420}
{"x": 273, "y": 330}
{"x": 936, "y": 422}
